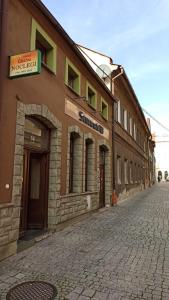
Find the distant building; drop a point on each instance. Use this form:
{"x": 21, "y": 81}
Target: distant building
{"x": 133, "y": 152}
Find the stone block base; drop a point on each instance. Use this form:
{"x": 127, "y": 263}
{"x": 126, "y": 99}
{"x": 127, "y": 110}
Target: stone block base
{"x": 8, "y": 250}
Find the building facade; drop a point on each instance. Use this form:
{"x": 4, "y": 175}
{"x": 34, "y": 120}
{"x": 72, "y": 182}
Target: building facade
{"x": 55, "y": 127}
{"x": 133, "y": 148}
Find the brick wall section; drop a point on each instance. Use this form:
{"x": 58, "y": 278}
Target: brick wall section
{"x": 60, "y": 208}
{"x": 8, "y": 229}
{"x": 75, "y": 205}
{"x": 50, "y": 120}
{"x": 128, "y": 192}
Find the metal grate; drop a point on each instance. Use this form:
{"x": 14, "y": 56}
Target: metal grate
{"x": 32, "y": 290}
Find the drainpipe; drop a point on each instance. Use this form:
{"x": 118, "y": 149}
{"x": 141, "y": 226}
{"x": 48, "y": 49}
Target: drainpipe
{"x": 114, "y": 195}
{"x": 3, "y": 30}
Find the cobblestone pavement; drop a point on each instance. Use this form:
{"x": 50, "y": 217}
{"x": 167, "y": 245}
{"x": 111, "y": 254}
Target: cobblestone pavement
{"x": 119, "y": 253}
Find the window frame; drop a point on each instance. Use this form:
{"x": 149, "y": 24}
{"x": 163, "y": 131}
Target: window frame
{"x": 131, "y": 172}
{"x": 125, "y": 119}
{"x": 119, "y": 111}
{"x": 76, "y": 71}
{"x": 71, "y": 162}
{"x": 126, "y": 181}
{"x": 134, "y": 132}
{"x": 119, "y": 173}
{"x": 106, "y": 105}
{"x": 131, "y": 126}
{"x": 51, "y": 61}
{"x": 89, "y": 86}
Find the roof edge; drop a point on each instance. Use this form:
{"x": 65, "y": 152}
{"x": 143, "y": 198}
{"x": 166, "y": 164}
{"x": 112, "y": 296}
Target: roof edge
{"x": 56, "y": 24}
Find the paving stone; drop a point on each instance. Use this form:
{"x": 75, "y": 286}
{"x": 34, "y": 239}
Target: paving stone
{"x": 20, "y": 276}
{"x": 78, "y": 290}
{"x": 114, "y": 296}
{"x": 117, "y": 253}
{"x": 83, "y": 298}
{"x": 72, "y": 296}
{"x": 88, "y": 292}
{"x": 101, "y": 296}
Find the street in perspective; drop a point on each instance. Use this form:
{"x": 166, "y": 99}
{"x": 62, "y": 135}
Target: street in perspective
{"x": 84, "y": 150}
{"x": 116, "y": 253}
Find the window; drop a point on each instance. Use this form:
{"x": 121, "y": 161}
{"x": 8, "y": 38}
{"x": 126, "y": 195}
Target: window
{"x": 88, "y": 164}
{"x": 71, "y": 163}
{"x": 131, "y": 172}
{"x": 91, "y": 96}
{"x": 104, "y": 109}
{"x": 125, "y": 171}
{"x": 139, "y": 176}
{"x": 122, "y": 115}
{"x": 131, "y": 126}
{"x": 41, "y": 41}
{"x": 135, "y": 131}
{"x": 72, "y": 77}
{"x": 75, "y": 163}
{"x": 43, "y": 51}
{"x": 135, "y": 172}
{"x": 118, "y": 112}
{"x": 115, "y": 111}
{"x": 125, "y": 119}
{"x": 118, "y": 170}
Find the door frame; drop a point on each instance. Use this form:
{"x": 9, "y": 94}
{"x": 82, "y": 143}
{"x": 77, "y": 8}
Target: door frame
{"x": 25, "y": 188}
{"x": 102, "y": 167}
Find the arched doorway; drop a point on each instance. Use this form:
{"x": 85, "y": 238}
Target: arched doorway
{"x": 34, "y": 200}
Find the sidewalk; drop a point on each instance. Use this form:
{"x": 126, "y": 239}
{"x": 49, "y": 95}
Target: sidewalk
{"x": 118, "y": 253}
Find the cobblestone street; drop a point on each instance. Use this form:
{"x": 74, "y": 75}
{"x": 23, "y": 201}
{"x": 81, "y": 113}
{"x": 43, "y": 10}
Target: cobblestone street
{"x": 114, "y": 254}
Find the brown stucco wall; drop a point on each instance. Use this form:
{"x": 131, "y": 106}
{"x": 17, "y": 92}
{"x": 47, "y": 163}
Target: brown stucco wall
{"x": 45, "y": 88}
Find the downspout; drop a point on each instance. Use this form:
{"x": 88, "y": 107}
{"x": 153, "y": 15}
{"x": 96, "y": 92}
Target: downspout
{"x": 114, "y": 195}
{"x": 3, "y": 29}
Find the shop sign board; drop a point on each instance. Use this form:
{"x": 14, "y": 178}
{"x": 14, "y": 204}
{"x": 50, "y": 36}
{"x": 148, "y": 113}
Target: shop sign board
{"x": 25, "y": 64}
{"x": 81, "y": 116}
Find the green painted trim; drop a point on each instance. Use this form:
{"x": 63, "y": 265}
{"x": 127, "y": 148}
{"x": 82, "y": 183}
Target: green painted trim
{"x": 39, "y": 62}
{"x": 104, "y": 115}
{"x": 88, "y": 85}
{"x": 78, "y": 80}
{"x": 51, "y": 53}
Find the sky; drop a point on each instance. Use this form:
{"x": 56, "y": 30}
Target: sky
{"x": 135, "y": 34}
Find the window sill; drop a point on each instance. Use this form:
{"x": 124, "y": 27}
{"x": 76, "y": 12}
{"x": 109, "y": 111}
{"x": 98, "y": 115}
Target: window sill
{"x": 104, "y": 118}
{"x": 72, "y": 90}
{"x": 91, "y": 106}
{"x": 45, "y": 66}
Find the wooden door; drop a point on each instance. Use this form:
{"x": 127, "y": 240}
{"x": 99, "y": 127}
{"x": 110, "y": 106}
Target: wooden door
{"x": 102, "y": 179}
{"x": 34, "y": 192}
